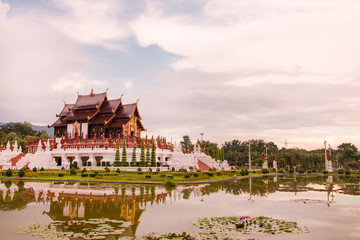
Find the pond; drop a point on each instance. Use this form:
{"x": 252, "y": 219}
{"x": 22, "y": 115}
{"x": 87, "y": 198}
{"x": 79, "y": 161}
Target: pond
{"x": 320, "y": 208}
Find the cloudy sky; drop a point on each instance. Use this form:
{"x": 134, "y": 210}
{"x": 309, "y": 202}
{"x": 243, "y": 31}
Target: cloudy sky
{"x": 277, "y": 70}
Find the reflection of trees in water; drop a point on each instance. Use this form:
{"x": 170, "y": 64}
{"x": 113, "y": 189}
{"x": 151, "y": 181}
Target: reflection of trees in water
{"x": 17, "y": 202}
{"x": 350, "y": 189}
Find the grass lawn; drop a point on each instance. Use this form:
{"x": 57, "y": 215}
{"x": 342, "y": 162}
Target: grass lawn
{"x": 126, "y": 176}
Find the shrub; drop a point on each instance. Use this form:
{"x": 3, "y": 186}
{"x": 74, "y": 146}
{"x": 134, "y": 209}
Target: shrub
{"x": 84, "y": 175}
{"x": 84, "y": 170}
{"x": 243, "y": 172}
{"x": 118, "y": 170}
{"x": 170, "y": 177}
{"x": 140, "y": 173}
{"x": 347, "y": 172}
{"x": 42, "y": 169}
{"x": 301, "y": 170}
{"x": 281, "y": 171}
{"x": 308, "y": 171}
{"x": 246, "y": 171}
{"x": 158, "y": 169}
{"x": 92, "y": 175}
{"x": 340, "y": 171}
{"x": 265, "y": 171}
{"x": 170, "y": 183}
{"x": 325, "y": 172}
{"x": 173, "y": 169}
{"x": 21, "y": 173}
{"x": 291, "y": 170}
{"x": 73, "y": 171}
{"x": 9, "y": 173}
{"x": 62, "y": 168}
{"x": 150, "y": 170}
{"x": 210, "y": 174}
{"x": 148, "y": 176}
{"x": 35, "y": 169}
{"x": 107, "y": 169}
{"x": 274, "y": 169}
{"x": 313, "y": 170}
{"x": 186, "y": 176}
{"x": 61, "y": 174}
{"x": 195, "y": 175}
{"x": 162, "y": 175}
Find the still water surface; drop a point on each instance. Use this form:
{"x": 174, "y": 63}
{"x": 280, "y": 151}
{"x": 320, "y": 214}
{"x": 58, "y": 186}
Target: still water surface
{"x": 329, "y": 206}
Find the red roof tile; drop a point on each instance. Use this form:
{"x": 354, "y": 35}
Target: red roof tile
{"x": 110, "y": 105}
{"x": 66, "y": 110}
{"x": 118, "y": 122}
{"x": 101, "y": 118}
{"x": 80, "y": 115}
{"x": 89, "y": 101}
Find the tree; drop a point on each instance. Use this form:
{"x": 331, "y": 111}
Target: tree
{"x": 186, "y": 144}
{"x": 133, "y": 157}
{"x": 142, "y": 154}
{"x": 43, "y": 134}
{"x": 117, "y": 154}
{"x": 147, "y": 155}
{"x": 153, "y": 154}
{"x": 209, "y": 146}
{"x": 124, "y": 154}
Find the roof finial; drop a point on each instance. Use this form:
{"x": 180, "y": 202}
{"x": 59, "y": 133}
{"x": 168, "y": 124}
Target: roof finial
{"x": 64, "y": 102}
{"x": 106, "y": 90}
{"x": 78, "y": 93}
{"x": 92, "y": 91}
{"x": 137, "y": 100}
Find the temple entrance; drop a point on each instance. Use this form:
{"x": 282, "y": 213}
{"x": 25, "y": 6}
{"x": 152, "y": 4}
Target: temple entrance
{"x": 98, "y": 160}
{"x": 84, "y": 160}
{"x": 58, "y": 161}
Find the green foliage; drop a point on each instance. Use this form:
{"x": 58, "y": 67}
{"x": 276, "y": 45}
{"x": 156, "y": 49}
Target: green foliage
{"x": 72, "y": 171}
{"x": 17, "y": 131}
{"x": 84, "y": 170}
{"x": 148, "y": 176}
{"x": 325, "y": 172}
{"x": 21, "y": 173}
{"x": 340, "y": 171}
{"x": 186, "y": 144}
{"x": 84, "y": 175}
{"x": 117, "y": 153}
{"x": 153, "y": 154}
{"x": 42, "y": 169}
{"x": 142, "y": 154}
{"x": 347, "y": 172}
{"x": 34, "y": 169}
{"x": 118, "y": 170}
{"x": 291, "y": 170}
{"x": 139, "y": 169}
{"x": 173, "y": 169}
{"x": 107, "y": 169}
{"x": 133, "y": 157}
{"x": 265, "y": 171}
{"x": 148, "y": 160}
{"x": 9, "y": 173}
{"x": 61, "y": 174}
{"x": 124, "y": 154}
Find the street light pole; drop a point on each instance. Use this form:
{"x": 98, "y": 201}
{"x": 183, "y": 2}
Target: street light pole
{"x": 249, "y": 155}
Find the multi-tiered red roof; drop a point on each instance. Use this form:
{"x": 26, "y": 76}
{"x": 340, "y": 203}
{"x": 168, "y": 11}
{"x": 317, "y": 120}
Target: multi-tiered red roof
{"x": 103, "y": 116}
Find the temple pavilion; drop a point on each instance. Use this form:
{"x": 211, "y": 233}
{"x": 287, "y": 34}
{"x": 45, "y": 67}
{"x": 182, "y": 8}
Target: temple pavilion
{"x": 94, "y": 115}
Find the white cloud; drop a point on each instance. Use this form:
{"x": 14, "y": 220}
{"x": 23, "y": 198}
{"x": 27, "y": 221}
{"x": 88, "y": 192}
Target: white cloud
{"x": 76, "y": 80}
{"x": 33, "y": 56}
{"x": 237, "y": 36}
{"x": 97, "y": 23}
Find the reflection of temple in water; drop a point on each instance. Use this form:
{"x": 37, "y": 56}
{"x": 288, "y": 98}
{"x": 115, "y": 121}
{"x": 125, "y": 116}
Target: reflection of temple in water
{"x": 81, "y": 201}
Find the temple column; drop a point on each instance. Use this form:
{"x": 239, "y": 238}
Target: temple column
{"x": 78, "y": 160}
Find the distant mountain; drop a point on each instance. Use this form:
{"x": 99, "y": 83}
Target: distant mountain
{"x": 50, "y": 131}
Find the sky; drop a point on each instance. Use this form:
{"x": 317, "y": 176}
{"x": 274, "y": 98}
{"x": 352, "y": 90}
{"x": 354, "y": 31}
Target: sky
{"x": 279, "y": 70}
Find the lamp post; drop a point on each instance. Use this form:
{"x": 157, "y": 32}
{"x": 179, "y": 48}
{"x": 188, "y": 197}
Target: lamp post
{"x": 202, "y": 134}
{"x": 250, "y": 155}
